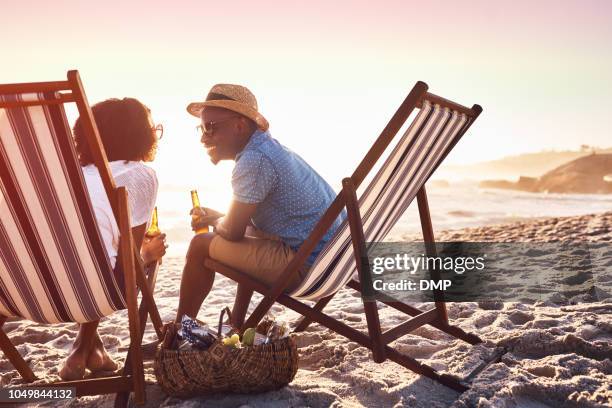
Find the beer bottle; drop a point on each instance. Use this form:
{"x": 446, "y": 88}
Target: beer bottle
{"x": 153, "y": 229}
{"x": 196, "y": 203}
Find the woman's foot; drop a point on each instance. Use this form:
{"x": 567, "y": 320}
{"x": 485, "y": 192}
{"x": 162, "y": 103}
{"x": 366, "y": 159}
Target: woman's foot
{"x": 74, "y": 366}
{"x": 98, "y": 359}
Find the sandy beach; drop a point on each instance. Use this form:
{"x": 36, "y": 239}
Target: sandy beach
{"x": 557, "y": 356}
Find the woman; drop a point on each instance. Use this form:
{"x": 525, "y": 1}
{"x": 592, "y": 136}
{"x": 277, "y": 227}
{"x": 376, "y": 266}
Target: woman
{"x": 129, "y": 138}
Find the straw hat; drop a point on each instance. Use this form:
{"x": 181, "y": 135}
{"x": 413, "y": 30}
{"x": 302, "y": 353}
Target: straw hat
{"x": 236, "y": 98}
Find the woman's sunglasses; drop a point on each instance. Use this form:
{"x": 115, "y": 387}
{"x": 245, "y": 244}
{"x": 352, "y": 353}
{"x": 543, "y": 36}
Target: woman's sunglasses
{"x": 158, "y": 130}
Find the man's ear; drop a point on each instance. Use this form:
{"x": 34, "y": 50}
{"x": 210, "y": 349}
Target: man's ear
{"x": 245, "y": 126}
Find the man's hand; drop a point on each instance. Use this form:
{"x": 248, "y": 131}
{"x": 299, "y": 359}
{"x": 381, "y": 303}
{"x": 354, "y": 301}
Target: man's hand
{"x": 153, "y": 248}
{"x": 204, "y": 216}
{"x": 233, "y": 225}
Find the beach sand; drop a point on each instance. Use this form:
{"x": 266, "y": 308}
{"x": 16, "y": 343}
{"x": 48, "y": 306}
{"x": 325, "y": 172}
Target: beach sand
{"x": 557, "y": 356}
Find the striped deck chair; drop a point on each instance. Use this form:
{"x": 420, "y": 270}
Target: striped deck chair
{"x": 53, "y": 265}
{"x": 437, "y": 127}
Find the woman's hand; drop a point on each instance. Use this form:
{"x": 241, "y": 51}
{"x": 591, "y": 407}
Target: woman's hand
{"x": 153, "y": 248}
{"x": 204, "y": 216}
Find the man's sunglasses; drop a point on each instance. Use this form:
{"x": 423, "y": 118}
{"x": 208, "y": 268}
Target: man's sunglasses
{"x": 208, "y": 128}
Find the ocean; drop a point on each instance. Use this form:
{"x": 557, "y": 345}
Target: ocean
{"x": 460, "y": 205}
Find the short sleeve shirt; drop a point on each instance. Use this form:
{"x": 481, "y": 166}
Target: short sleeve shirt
{"x": 141, "y": 184}
{"x": 291, "y": 195}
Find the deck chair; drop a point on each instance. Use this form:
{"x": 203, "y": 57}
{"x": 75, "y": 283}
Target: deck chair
{"x": 437, "y": 127}
{"x": 53, "y": 265}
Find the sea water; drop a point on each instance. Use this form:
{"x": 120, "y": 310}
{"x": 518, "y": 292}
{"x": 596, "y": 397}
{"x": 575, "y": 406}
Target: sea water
{"x": 460, "y": 205}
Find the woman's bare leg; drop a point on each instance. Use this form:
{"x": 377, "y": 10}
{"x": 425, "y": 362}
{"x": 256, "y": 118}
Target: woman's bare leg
{"x": 87, "y": 352}
{"x": 75, "y": 364}
{"x": 98, "y": 359}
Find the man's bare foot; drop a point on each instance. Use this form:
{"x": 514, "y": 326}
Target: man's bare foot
{"x": 98, "y": 359}
{"x": 74, "y": 366}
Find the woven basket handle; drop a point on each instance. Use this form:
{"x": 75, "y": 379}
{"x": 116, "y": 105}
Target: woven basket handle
{"x": 229, "y": 316}
{"x": 169, "y": 339}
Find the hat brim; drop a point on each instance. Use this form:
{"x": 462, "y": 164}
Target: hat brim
{"x": 195, "y": 109}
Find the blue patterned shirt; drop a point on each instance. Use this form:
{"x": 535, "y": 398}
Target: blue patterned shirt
{"x": 291, "y": 195}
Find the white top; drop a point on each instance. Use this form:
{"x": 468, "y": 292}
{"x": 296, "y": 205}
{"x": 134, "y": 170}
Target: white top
{"x": 141, "y": 184}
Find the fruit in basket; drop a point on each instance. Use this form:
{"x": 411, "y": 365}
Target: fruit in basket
{"x": 248, "y": 337}
{"x": 233, "y": 341}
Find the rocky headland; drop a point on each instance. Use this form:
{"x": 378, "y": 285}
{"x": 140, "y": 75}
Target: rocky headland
{"x": 590, "y": 174}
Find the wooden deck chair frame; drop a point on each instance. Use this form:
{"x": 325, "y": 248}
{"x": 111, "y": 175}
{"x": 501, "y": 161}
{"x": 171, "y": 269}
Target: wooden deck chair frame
{"x": 131, "y": 377}
{"x": 376, "y": 340}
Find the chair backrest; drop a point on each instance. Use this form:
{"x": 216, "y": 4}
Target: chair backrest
{"x": 53, "y": 265}
{"x": 420, "y": 150}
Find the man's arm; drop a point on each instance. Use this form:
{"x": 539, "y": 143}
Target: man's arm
{"x": 233, "y": 225}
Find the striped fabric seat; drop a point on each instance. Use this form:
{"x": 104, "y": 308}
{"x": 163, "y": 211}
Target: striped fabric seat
{"x": 418, "y": 153}
{"x": 53, "y": 266}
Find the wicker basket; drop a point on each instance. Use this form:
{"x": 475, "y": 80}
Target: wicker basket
{"x": 187, "y": 373}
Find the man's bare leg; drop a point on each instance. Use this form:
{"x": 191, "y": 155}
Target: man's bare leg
{"x": 197, "y": 280}
{"x": 241, "y": 305}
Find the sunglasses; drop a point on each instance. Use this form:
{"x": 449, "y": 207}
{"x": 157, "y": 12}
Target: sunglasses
{"x": 208, "y": 128}
{"x": 158, "y": 130}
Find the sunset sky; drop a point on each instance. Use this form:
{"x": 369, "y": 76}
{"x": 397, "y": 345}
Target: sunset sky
{"x": 329, "y": 76}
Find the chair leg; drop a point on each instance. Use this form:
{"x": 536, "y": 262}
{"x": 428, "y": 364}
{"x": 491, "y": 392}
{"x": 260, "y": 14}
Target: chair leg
{"x": 459, "y": 333}
{"x": 136, "y": 360}
{"x": 15, "y": 358}
{"x": 145, "y": 308}
{"x": 363, "y": 267}
{"x": 146, "y": 282}
{"x": 378, "y": 347}
{"x": 122, "y": 398}
{"x": 128, "y": 260}
{"x": 304, "y": 322}
{"x": 259, "y": 312}
{"x": 430, "y": 245}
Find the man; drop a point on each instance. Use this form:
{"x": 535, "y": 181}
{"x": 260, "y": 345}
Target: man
{"x": 274, "y": 190}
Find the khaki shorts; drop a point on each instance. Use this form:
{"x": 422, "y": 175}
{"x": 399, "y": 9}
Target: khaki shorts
{"x": 260, "y": 258}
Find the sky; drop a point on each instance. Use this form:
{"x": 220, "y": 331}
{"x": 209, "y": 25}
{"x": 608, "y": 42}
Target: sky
{"x": 329, "y": 75}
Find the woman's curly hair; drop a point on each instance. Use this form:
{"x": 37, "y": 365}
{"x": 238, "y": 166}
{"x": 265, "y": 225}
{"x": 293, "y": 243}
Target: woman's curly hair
{"x": 124, "y": 128}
